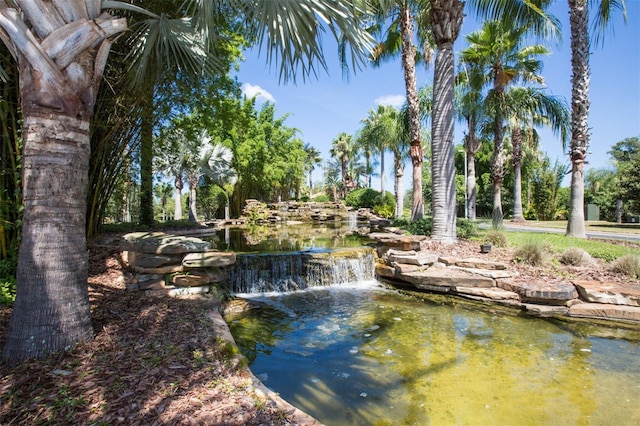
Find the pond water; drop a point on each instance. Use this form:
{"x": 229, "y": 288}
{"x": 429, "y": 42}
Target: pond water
{"x": 366, "y": 354}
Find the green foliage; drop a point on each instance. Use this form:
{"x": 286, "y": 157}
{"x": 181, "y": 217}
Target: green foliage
{"x": 256, "y": 213}
{"x": 598, "y": 249}
{"x": 362, "y": 198}
{"x": 323, "y": 198}
{"x": 628, "y": 265}
{"x": 495, "y": 238}
{"x": 385, "y": 205}
{"x": 547, "y": 195}
{"x": 576, "y": 257}
{"x": 8, "y": 269}
{"x": 466, "y": 228}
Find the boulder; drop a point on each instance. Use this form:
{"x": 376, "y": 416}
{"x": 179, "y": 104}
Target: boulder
{"x": 383, "y": 270}
{"x": 161, "y": 243}
{"x": 209, "y": 259}
{"x": 607, "y": 292}
{"x": 545, "y": 311}
{"x": 540, "y": 293}
{"x": 401, "y": 242}
{"x": 414, "y": 258}
{"x": 145, "y": 260}
{"x": 198, "y": 278}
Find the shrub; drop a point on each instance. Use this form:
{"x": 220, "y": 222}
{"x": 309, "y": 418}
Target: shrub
{"x": 385, "y": 206}
{"x": 8, "y": 280}
{"x": 362, "y": 198}
{"x": 532, "y": 254}
{"x": 321, "y": 199}
{"x": 628, "y": 265}
{"x": 496, "y": 238}
{"x": 576, "y": 257}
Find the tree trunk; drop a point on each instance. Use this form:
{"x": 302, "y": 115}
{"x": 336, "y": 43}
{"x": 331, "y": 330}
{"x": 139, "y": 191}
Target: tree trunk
{"x": 471, "y": 185}
{"x": 51, "y": 311}
{"x": 516, "y": 142}
{"x": 193, "y": 216}
{"x": 446, "y": 19}
{"x": 397, "y": 186}
{"x": 382, "y": 172}
{"x": 413, "y": 107}
{"x": 497, "y": 167}
{"x": 443, "y": 197}
{"x": 177, "y": 195}
{"x": 496, "y": 215}
{"x": 579, "y": 23}
{"x": 146, "y": 161}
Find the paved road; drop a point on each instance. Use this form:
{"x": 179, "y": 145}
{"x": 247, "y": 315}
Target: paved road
{"x": 590, "y": 234}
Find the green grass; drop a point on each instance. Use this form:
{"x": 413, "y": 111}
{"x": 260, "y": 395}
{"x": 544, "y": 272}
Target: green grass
{"x": 597, "y": 249}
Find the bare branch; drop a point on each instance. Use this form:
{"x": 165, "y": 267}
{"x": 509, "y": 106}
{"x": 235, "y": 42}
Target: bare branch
{"x": 43, "y": 17}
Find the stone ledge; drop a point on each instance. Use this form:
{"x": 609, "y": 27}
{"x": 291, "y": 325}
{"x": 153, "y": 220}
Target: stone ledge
{"x": 605, "y": 311}
{"x": 609, "y": 293}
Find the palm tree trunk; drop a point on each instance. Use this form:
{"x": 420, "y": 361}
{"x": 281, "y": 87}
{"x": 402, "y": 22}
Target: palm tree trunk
{"x": 146, "y": 161}
{"x": 497, "y": 167}
{"x": 382, "y": 172}
{"x": 579, "y": 22}
{"x": 516, "y": 142}
{"x": 413, "y": 108}
{"x": 446, "y": 19}
{"x": 193, "y": 216}
{"x": 51, "y": 311}
{"x": 496, "y": 215}
{"x": 177, "y": 214}
{"x": 471, "y": 186}
{"x": 399, "y": 174}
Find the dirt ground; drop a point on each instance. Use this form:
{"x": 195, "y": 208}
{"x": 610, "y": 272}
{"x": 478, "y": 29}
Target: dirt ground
{"x": 164, "y": 361}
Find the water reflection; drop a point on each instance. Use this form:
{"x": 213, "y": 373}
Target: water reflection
{"x": 368, "y": 355}
{"x": 287, "y": 238}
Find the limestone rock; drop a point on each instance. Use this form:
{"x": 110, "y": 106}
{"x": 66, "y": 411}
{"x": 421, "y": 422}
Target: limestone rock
{"x": 403, "y": 268}
{"x": 554, "y": 294}
{"x": 545, "y": 311}
{"x": 161, "y": 243}
{"x": 413, "y": 259}
{"x": 161, "y": 270}
{"x": 144, "y": 260}
{"x": 209, "y": 259}
{"x": 611, "y": 293}
{"x": 605, "y": 311}
{"x": 489, "y": 273}
{"x": 446, "y": 278}
{"x": 199, "y": 278}
{"x": 476, "y": 263}
{"x": 494, "y": 293}
{"x": 383, "y": 270}
{"x": 401, "y": 242}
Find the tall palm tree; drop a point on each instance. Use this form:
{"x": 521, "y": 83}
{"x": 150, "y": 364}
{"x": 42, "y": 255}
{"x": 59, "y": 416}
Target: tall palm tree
{"x": 446, "y": 18}
{"x": 61, "y": 49}
{"x": 580, "y": 76}
{"x": 497, "y": 48}
{"x": 163, "y": 191}
{"x": 530, "y": 107}
{"x": 312, "y": 159}
{"x": 401, "y": 16}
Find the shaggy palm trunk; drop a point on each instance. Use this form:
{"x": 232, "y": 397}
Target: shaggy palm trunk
{"x": 497, "y": 172}
{"x": 579, "y": 22}
{"x": 397, "y": 186}
{"x": 51, "y": 311}
{"x": 446, "y": 19}
{"x": 193, "y": 216}
{"x": 516, "y": 142}
{"x": 413, "y": 108}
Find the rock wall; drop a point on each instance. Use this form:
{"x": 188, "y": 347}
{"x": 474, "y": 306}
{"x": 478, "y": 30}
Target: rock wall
{"x": 409, "y": 261}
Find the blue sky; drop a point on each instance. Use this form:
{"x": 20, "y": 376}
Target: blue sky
{"x": 324, "y": 107}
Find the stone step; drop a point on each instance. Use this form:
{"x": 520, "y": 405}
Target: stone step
{"x": 539, "y": 293}
{"x": 608, "y": 292}
{"x": 605, "y": 311}
{"x": 445, "y": 278}
{"x": 494, "y": 293}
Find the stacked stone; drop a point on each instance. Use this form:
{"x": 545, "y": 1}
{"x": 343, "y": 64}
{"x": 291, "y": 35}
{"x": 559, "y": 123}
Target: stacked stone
{"x": 408, "y": 261}
{"x": 171, "y": 264}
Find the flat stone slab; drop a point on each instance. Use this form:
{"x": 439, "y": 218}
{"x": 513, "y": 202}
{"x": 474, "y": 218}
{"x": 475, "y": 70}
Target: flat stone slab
{"x": 494, "y": 293}
{"x": 419, "y": 259}
{"x": 545, "y": 311}
{"x": 489, "y": 273}
{"x": 199, "y": 278}
{"x": 161, "y": 270}
{"x": 607, "y": 292}
{"x": 401, "y": 242}
{"x": 145, "y": 260}
{"x": 605, "y": 311}
{"x": 539, "y": 293}
{"x": 383, "y": 270}
{"x": 161, "y": 243}
{"x": 209, "y": 259}
{"x": 477, "y": 263}
{"x": 447, "y": 278}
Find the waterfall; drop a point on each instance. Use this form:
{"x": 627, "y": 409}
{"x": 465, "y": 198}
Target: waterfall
{"x": 284, "y": 272}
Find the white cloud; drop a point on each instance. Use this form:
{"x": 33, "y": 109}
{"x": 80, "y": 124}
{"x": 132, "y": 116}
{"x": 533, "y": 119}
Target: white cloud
{"x": 395, "y": 101}
{"x": 249, "y": 90}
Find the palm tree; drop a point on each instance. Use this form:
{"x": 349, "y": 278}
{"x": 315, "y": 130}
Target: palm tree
{"x": 169, "y": 161}
{"x": 344, "y": 150}
{"x": 400, "y": 15}
{"x": 446, "y": 20}
{"x": 529, "y": 107}
{"x": 580, "y": 76}
{"x": 61, "y": 49}
{"x": 312, "y": 159}
{"x": 497, "y": 48}
{"x": 163, "y": 191}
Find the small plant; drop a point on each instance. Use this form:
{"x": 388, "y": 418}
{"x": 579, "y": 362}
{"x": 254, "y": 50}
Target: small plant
{"x": 576, "y": 257}
{"x": 496, "y": 238}
{"x": 466, "y": 228}
{"x": 628, "y": 265}
{"x": 321, "y": 199}
{"x": 532, "y": 254}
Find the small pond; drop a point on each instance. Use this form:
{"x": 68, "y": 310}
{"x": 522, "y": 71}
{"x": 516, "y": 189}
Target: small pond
{"x": 366, "y": 354}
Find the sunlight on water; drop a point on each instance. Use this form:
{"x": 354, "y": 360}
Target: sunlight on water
{"x": 367, "y": 355}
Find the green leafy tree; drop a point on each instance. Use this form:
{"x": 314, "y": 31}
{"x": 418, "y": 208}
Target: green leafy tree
{"x": 61, "y": 49}
{"x": 626, "y": 154}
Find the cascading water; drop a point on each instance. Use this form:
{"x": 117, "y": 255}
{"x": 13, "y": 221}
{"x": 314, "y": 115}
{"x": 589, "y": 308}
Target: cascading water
{"x": 285, "y": 272}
